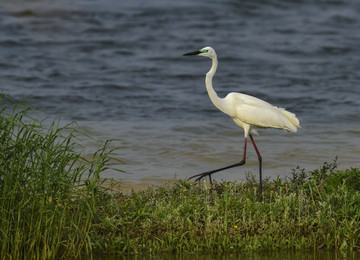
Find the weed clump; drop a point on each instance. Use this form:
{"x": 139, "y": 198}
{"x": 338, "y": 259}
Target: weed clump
{"x": 319, "y": 209}
{"x": 48, "y": 191}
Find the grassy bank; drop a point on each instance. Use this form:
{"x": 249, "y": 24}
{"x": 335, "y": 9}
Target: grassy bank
{"x": 53, "y": 204}
{"x": 315, "y": 210}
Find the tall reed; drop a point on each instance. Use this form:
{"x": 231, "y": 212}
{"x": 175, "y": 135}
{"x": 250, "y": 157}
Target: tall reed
{"x": 48, "y": 190}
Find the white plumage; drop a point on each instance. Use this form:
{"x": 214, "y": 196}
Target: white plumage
{"x": 248, "y": 112}
{"x": 258, "y": 113}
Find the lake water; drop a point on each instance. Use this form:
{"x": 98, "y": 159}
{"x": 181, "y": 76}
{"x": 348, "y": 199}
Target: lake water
{"x": 116, "y": 67}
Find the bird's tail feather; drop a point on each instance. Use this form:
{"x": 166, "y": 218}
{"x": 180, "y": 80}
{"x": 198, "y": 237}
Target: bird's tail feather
{"x": 291, "y": 117}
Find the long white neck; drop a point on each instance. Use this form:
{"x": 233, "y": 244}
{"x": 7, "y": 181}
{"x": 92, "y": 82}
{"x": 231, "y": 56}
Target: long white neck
{"x": 218, "y": 102}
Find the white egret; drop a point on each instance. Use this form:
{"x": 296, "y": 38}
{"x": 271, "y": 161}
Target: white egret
{"x": 247, "y": 112}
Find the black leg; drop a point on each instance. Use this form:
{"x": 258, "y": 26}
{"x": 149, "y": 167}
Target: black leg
{"x": 260, "y": 163}
{"x": 204, "y": 174}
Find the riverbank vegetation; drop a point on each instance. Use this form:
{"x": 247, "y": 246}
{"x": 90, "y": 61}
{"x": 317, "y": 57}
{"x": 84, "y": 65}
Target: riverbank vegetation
{"x": 54, "y": 204}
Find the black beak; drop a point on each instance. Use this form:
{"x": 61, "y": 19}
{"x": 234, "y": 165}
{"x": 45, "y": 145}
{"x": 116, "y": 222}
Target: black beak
{"x": 192, "y": 53}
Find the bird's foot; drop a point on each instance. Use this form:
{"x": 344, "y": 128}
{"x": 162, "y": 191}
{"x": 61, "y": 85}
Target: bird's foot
{"x": 204, "y": 174}
{"x": 200, "y": 176}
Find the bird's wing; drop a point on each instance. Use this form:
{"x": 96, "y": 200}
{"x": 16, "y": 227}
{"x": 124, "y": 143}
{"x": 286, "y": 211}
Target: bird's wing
{"x": 256, "y": 112}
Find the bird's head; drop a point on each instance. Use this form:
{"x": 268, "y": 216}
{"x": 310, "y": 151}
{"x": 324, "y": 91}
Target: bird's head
{"x": 206, "y": 52}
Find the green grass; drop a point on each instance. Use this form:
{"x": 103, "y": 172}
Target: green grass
{"x": 53, "y": 204}
{"x": 315, "y": 210}
{"x": 48, "y": 190}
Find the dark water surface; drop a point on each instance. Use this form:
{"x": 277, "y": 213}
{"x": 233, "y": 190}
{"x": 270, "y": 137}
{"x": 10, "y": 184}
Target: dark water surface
{"x": 116, "y": 67}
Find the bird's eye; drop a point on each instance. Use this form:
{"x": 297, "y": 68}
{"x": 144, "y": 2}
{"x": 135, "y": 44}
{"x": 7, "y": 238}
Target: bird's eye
{"x": 206, "y": 50}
